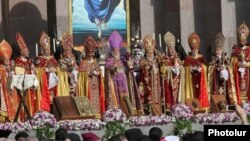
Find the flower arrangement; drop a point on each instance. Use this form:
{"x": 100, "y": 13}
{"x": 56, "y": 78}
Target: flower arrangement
{"x": 88, "y": 124}
{"x": 246, "y": 108}
{"x": 114, "y": 114}
{"x": 149, "y": 120}
{"x": 43, "y": 119}
{"x": 182, "y": 112}
{"x": 115, "y": 123}
{"x": 215, "y": 118}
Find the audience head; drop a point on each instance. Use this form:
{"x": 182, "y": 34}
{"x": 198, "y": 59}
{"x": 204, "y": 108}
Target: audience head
{"x": 4, "y": 133}
{"x": 90, "y": 137}
{"x": 144, "y": 138}
{"x": 21, "y": 136}
{"x": 74, "y": 137}
{"x": 31, "y": 138}
{"x": 196, "y": 136}
{"x": 155, "y": 134}
{"x": 61, "y": 134}
{"x": 119, "y": 137}
{"x": 133, "y": 134}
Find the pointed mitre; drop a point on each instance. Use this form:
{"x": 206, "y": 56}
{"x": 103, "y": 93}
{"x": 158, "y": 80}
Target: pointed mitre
{"x": 67, "y": 41}
{"x": 5, "y": 50}
{"x": 148, "y": 42}
{"x": 169, "y": 39}
{"x": 20, "y": 40}
{"x": 219, "y": 40}
{"x": 243, "y": 30}
{"x": 115, "y": 40}
{"x": 44, "y": 41}
{"x": 194, "y": 41}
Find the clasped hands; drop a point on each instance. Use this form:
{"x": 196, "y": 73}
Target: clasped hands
{"x": 195, "y": 68}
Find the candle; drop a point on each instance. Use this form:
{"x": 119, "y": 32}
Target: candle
{"x": 41, "y": 51}
{"x": 154, "y": 36}
{"x": 160, "y": 41}
{"x": 36, "y": 49}
{"x": 54, "y": 44}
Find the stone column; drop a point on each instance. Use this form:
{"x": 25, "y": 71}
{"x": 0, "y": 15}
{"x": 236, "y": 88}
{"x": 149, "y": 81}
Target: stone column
{"x": 228, "y": 23}
{"x": 147, "y": 17}
{"x": 186, "y": 22}
{"x": 62, "y": 15}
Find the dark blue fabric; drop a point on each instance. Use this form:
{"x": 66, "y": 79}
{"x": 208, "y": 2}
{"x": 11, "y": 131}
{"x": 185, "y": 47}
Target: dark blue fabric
{"x": 101, "y": 9}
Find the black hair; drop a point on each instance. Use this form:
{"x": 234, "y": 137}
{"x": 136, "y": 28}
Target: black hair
{"x": 61, "y": 134}
{"x": 155, "y": 133}
{"x": 74, "y": 137}
{"x": 21, "y": 135}
{"x": 133, "y": 134}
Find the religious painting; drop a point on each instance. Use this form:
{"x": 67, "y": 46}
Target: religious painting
{"x": 98, "y": 18}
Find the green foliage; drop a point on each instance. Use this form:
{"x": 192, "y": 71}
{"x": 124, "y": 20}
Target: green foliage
{"x": 45, "y": 133}
{"x": 113, "y": 128}
{"x": 182, "y": 127}
{"x": 248, "y": 118}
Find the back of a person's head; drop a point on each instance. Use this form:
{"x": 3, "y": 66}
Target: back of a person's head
{"x": 187, "y": 137}
{"x": 198, "y": 136}
{"x": 119, "y": 137}
{"x": 74, "y": 137}
{"x": 31, "y": 138}
{"x": 144, "y": 138}
{"x": 133, "y": 134}
{"x": 61, "y": 134}
{"x": 21, "y": 136}
{"x": 155, "y": 134}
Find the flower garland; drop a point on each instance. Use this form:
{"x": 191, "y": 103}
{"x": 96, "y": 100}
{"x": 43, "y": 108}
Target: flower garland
{"x": 215, "y": 118}
{"x": 180, "y": 112}
{"x": 150, "y": 120}
{"x": 88, "y": 124}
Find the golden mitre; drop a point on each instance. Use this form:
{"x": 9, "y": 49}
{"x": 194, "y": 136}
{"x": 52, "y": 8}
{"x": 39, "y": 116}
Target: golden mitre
{"x": 148, "y": 42}
{"x": 20, "y": 40}
{"x": 243, "y": 30}
{"x": 194, "y": 41}
{"x": 67, "y": 41}
{"x": 44, "y": 41}
{"x": 5, "y": 50}
{"x": 219, "y": 40}
{"x": 169, "y": 39}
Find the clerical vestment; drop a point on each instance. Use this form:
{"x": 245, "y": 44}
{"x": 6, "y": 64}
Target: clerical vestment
{"x": 44, "y": 92}
{"x": 90, "y": 84}
{"x": 66, "y": 76}
{"x": 174, "y": 82}
{"x": 23, "y": 66}
{"x": 134, "y": 93}
{"x": 241, "y": 75}
{"x": 8, "y": 98}
{"x": 116, "y": 88}
{"x": 219, "y": 85}
{"x": 196, "y": 81}
{"x": 150, "y": 87}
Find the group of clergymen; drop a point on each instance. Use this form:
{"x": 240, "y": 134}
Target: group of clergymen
{"x": 162, "y": 80}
